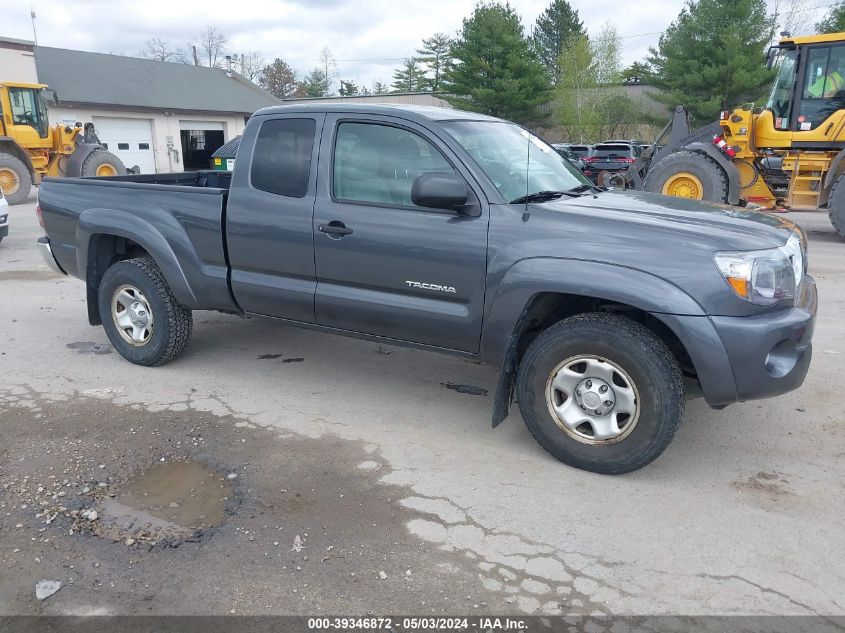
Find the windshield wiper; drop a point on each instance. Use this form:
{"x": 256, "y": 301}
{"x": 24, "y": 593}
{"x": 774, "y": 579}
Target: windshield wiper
{"x": 541, "y": 196}
{"x": 583, "y": 188}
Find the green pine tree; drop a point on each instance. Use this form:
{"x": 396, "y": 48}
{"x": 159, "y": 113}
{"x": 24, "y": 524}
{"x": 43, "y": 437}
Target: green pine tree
{"x": 410, "y": 76}
{"x": 434, "y": 54}
{"x": 348, "y": 88}
{"x": 556, "y": 27}
{"x": 495, "y": 70}
{"x": 834, "y": 21}
{"x": 315, "y": 84}
{"x": 712, "y": 57}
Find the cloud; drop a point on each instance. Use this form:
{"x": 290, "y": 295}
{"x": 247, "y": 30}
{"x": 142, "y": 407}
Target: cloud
{"x": 369, "y": 38}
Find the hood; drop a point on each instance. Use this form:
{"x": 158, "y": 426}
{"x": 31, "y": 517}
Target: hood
{"x": 719, "y": 226}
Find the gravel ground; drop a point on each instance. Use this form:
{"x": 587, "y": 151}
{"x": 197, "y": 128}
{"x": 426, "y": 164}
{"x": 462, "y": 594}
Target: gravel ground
{"x": 383, "y": 462}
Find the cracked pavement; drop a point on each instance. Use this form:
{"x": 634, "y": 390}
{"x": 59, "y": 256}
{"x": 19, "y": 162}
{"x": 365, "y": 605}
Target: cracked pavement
{"x": 741, "y": 515}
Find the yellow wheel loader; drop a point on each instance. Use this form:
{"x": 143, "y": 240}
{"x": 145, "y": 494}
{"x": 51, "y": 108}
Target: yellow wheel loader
{"x": 30, "y": 149}
{"x": 790, "y": 152}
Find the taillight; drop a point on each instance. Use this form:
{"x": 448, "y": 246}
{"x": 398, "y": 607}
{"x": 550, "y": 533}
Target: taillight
{"x": 589, "y": 159}
{"x": 40, "y": 217}
{"x": 628, "y": 160}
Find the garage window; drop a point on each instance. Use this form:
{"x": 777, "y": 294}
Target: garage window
{"x": 123, "y": 146}
{"x": 143, "y": 146}
{"x": 281, "y": 161}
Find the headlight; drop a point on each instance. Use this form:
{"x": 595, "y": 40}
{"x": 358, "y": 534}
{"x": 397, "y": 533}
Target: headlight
{"x": 765, "y": 277}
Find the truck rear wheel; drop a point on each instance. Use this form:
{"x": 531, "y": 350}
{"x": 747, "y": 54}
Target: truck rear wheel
{"x": 15, "y": 179}
{"x": 836, "y": 206}
{"x": 102, "y": 163}
{"x": 601, "y": 392}
{"x": 140, "y": 315}
{"x": 687, "y": 174}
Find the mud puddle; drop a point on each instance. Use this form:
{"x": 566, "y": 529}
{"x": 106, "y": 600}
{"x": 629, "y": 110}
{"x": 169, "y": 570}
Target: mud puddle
{"x": 167, "y": 503}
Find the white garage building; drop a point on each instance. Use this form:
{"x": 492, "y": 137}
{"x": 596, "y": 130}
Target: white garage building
{"x": 161, "y": 116}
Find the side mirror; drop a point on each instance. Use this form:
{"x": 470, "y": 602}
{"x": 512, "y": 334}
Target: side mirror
{"x": 438, "y": 190}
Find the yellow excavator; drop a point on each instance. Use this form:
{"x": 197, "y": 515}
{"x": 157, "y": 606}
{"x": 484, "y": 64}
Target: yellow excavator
{"x": 789, "y": 153}
{"x": 31, "y": 149}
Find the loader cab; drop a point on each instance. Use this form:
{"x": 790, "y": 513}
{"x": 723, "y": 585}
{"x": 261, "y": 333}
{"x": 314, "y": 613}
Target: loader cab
{"x": 24, "y": 114}
{"x": 810, "y": 84}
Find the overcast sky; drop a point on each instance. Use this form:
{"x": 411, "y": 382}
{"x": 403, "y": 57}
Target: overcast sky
{"x": 367, "y": 37}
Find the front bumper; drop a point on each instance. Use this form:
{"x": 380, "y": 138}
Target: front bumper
{"x": 47, "y": 254}
{"x": 748, "y": 358}
{"x": 770, "y": 353}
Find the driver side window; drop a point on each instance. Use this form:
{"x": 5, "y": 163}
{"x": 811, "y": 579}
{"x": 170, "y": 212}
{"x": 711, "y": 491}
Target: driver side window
{"x": 378, "y": 163}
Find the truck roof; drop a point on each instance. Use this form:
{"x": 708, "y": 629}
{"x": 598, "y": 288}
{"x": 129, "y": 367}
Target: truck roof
{"x": 407, "y": 111}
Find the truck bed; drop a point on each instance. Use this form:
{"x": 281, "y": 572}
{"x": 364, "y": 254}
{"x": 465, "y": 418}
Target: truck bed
{"x": 182, "y": 214}
{"x": 207, "y": 179}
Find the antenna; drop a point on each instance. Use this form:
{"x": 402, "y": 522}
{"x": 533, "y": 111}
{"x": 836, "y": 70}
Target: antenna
{"x": 32, "y": 17}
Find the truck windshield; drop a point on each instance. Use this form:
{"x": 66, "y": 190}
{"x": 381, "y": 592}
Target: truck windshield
{"x": 780, "y": 100}
{"x": 517, "y": 162}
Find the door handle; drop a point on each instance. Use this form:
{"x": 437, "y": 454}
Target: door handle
{"x": 333, "y": 228}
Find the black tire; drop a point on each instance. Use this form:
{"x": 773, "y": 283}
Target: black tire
{"x": 24, "y": 178}
{"x": 100, "y": 158}
{"x": 836, "y": 206}
{"x": 714, "y": 181}
{"x": 638, "y": 351}
{"x": 172, "y": 323}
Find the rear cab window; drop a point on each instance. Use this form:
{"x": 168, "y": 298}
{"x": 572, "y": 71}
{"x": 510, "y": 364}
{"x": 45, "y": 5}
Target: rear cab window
{"x": 281, "y": 160}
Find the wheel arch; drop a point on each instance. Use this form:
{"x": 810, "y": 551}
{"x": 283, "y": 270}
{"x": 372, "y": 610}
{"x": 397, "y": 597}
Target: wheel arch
{"x": 104, "y": 237}
{"x": 537, "y": 293}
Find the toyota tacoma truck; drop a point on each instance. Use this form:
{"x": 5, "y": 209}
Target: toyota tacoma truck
{"x": 460, "y": 233}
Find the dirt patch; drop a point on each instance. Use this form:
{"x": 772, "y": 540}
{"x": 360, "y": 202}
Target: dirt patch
{"x": 472, "y": 390}
{"x": 89, "y": 347}
{"x": 303, "y": 529}
{"x": 767, "y": 484}
{"x": 29, "y": 275}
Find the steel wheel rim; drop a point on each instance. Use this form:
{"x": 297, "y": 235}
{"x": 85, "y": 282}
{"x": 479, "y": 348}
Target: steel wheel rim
{"x": 106, "y": 170}
{"x": 9, "y": 181}
{"x": 683, "y": 185}
{"x": 593, "y": 400}
{"x": 132, "y": 316}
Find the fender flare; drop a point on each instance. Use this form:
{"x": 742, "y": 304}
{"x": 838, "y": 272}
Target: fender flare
{"x": 731, "y": 170}
{"x": 506, "y": 315}
{"x": 121, "y": 224}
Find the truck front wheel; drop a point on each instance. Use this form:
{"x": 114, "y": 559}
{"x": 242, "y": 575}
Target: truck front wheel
{"x": 601, "y": 392}
{"x": 140, "y": 315}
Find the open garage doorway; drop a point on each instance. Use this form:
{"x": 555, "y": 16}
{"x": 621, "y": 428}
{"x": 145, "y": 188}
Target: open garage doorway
{"x": 199, "y": 140}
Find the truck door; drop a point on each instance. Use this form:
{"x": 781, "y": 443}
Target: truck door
{"x": 268, "y": 217}
{"x": 384, "y": 266}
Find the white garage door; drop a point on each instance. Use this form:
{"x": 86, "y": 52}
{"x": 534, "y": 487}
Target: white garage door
{"x": 131, "y": 140}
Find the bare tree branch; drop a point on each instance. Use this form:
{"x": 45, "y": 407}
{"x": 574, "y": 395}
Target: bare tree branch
{"x": 250, "y": 65}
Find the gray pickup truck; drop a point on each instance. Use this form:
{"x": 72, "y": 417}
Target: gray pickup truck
{"x": 457, "y": 233}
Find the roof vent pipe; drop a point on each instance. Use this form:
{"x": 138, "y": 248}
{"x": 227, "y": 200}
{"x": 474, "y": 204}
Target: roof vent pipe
{"x": 228, "y": 65}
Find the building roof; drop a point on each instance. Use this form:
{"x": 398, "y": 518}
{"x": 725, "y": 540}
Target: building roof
{"x": 96, "y": 79}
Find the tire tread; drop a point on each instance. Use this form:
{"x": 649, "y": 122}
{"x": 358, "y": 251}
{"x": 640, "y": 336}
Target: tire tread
{"x": 647, "y": 341}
